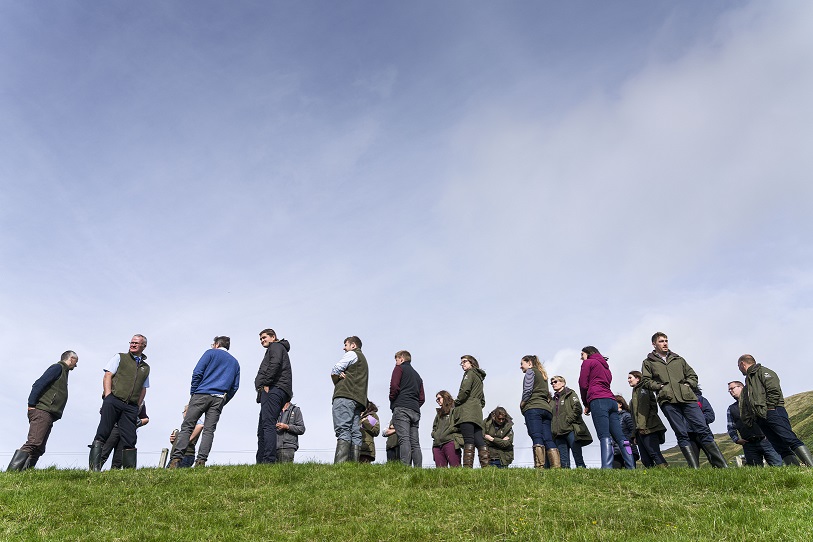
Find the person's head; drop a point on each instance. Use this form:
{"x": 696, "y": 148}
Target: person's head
{"x": 588, "y": 351}
{"x": 267, "y": 336}
{"x": 445, "y": 402}
{"x": 660, "y": 342}
{"x": 467, "y": 362}
{"x": 558, "y": 383}
{"x": 371, "y": 407}
{"x": 402, "y": 356}
{"x": 532, "y": 361}
{"x": 499, "y": 415}
{"x": 744, "y": 362}
{"x": 137, "y": 344}
{"x": 622, "y": 403}
{"x": 735, "y": 388}
{"x": 69, "y": 358}
{"x": 352, "y": 343}
{"x": 633, "y": 378}
{"x": 221, "y": 341}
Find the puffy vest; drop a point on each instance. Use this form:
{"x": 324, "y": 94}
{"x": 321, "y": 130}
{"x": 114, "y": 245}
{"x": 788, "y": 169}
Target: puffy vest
{"x": 129, "y": 378}
{"x": 55, "y": 397}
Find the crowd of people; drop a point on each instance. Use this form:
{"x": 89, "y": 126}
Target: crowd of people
{"x": 554, "y": 414}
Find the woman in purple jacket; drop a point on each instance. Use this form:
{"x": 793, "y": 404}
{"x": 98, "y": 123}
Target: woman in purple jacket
{"x": 599, "y": 400}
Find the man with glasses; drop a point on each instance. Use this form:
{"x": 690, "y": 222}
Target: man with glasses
{"x": 755, "y": 446}
{"x": 215, "y": 380}
{"x": 125, "y": 382}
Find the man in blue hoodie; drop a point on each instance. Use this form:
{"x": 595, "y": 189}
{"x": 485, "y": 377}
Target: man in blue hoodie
{"x": 215, "y": 380}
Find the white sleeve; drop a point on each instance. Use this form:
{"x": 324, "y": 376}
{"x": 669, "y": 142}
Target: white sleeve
{"x": 113, "y": 365}
{"x": 348, "y": 359}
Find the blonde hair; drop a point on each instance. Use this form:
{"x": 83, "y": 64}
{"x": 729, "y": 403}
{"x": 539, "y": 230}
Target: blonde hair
{"x": 536, "y": 364}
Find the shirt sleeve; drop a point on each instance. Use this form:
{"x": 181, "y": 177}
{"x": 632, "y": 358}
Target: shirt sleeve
{"x": 349, "y": 358}
{"x": 528, "y": 385}
{"x": 729, "y": 424}
{"x": 113, "y": 365}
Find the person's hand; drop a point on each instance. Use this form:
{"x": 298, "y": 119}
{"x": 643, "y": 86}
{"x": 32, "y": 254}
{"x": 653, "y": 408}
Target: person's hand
{"x": 742, "y": 441}
{"x": 266, "y": 388}
{"x": 282, "y": 426}
{"x": 172, "y": 438}
{"x": 505, "y": 438}
{"x": 587, "y": 411}
{"x": 30, "y": 408}
{"x": 489, "y": 438}
{"x": 342, "y": 375}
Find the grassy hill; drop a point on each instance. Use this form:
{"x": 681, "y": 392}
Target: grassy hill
{"x": 800, "y": 412}
{"x": 305, "y": 502}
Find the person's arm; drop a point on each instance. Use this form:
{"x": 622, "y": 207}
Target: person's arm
{"x": 235, "y": 385}
{"x": 50, "y": 376}
{"x": 708, "y": 412}
{"x": 648, "y": 382}
{"x": 731, "y": 428}
{"x": 527, "y": 387}
{"x": 270, "y": 366}
{"x": 197, "y": 372}
{"x": 107, "y": 383}
{"x": 689, "y": 376}
{"x": 196, "y": 431}
{"x": 421, "y": 396}
{"x": 395, "y": 382}
{"x": 142, "y": 395}
{"x": 584, "y": 382}
{"x": 773, "y": 391}
{"x": 464, "y": 391}
{"x": 370, "y": 424}
{"x": 296, "y": 425}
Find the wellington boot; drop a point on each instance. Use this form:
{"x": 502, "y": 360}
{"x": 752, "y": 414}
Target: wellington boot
{"x": 791, "y": 461}
{"x": 95, "y": 458}
{"x": 482, "y": 453}
{"x": 18, "y": 461}
{"x": 804, "y": 455}
{"x": 539, "y": 456}
{"x": 606, "y": 445}
{"x": 32, "y": 462}
{"x": 468, "y": 456}
{"x": 554, "y": 460}
{"x": 129, "y": 458}
{"x": 355, "y": 453}
{"x": 691, "y": 460}
{"x": 714, "y": 455}
{"x": 342, "y": 451}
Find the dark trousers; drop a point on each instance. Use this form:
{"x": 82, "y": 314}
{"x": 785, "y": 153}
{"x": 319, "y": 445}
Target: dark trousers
{"x": 566, "y": 444}
{"x": 40, "y": 424}
{"x": 117, "y": 412}
{"x": 650, "y": 447}
{"x": 757, "y": 450}
{"x": 115, "y": 445}
{"x": 472, "y": 434}
{"x": 776, "y": 427}
{"x": 271, "y": 403}
{"x": 687, "y": 418}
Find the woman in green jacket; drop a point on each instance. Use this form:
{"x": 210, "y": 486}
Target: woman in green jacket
{"x": 469, "y": 406}
{"x": 445, "y": 436}
{"x": 498, "y": 430}
{"x": 569, "y": 430}
{"x": 650, "y": 432}
{"x": 370, "y": 428}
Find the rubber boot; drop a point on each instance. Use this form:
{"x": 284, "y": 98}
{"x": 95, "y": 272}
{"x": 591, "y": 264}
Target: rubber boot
{"x": 554, "y": 459}
{"x": 18, "y": 461}
{"x": 696, "y": 452}
{"x": 804, "y": 455}
{"x": 32, "y": 462}
{"x": 606, "y": 445}
{"x": 342, "y": 451}
{"x": 791, "y": 461}
{"x": 95, "y": 458}
{"x": 468, "y": 456}
{"x": 539, "y": 456}
{"x": 691, "y": 460}
{"x": 355, "y": 452}
{"x": 129, "y": 458}
{"x": 482, "y": 453}
{"x": 714, "y": 455}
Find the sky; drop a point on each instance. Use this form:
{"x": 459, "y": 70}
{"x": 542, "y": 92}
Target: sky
{"x": 492, "y": 179}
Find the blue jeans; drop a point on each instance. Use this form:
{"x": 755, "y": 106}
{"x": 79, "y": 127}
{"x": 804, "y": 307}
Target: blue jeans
{"x": 649, "y": 446}
{"x": 347, "y": 420}
{"x": 538, "y": 422}
{"x": 687, "y": 418}
{"x": 405, "y": 421}
{"x": 776, "y": 427}
{"x": 566, "y": 444}
{"x": 755, "y": 451}
{"x": 271, "y": 403}
{"x": 608, "y": 425}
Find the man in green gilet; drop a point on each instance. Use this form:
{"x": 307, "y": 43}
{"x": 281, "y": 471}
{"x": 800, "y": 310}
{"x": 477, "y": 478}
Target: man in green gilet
{"x": 47, "y": 401}
{"x": 125, "y": 383}
{"x": 350, "y": 377}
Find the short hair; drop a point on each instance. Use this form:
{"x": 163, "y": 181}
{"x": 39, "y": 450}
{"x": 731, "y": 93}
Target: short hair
{"x": 636, "y": 374}
{"x": 560, "y": 378}
{"x": 223, "y": 341}
{"x": 270, "y": 332}
{"x": 623, "y": 402}
{"x": 747, "y": 359}
{"x": 470, "y": 359}
{"x": 657, "y": 335}
{"x": 353, "y": 340}
{"x": 737, "y": 382}
{"x": 67, "y": 354}
{"x": 404, "y": 355}
{"x": 142, "y": 337}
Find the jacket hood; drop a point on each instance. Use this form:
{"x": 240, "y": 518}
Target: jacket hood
{"x": 481, "y": 372}
{"x": 285, "y": 344}
{"x": 601, "y": 359}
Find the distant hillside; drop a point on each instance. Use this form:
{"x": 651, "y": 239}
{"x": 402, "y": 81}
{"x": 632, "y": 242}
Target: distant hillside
{"x": 800, "y": 411}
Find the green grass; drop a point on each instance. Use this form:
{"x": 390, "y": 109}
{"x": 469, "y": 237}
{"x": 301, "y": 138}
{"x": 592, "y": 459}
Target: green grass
{"x": 392, "y": 502}
{"x": 800, "y": 412}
